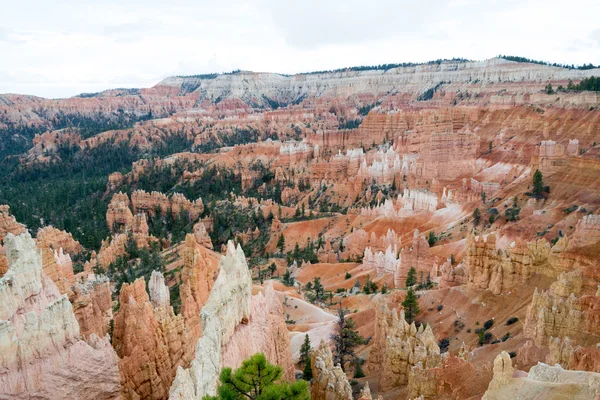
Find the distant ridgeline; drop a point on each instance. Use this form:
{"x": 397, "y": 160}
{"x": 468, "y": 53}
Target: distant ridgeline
{"x": 528, "y": 60}
{"x": 385, "y": 67}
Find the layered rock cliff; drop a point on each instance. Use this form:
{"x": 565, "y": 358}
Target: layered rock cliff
{"x": 43, "y": 353}
{"x": 227, "y": 306}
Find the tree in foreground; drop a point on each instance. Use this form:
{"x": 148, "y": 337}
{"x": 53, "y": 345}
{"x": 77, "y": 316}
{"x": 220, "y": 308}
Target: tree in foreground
{"x": 257, "y": 379}
{"x": 305, "y": 351}
{"x": 411, "y": 306}
{"x": 345, "y": 339}
{"x": 411, "y": 279}
{"x": 476, "y": 216}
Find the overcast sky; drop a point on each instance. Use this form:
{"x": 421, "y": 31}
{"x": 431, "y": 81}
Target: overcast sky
{"x": 60, "y": 48}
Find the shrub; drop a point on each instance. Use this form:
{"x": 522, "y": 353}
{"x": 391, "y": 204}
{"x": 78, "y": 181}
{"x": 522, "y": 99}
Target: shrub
{"x": 512, "y": 320}
{"x": 488, "y": 324}
{"x": 506, "y": 336}
{"x": 444, "y": 344}
{"x": 512, "y": 354}
{"x": 440, "y": 307}
{"x": 348, "y": 275}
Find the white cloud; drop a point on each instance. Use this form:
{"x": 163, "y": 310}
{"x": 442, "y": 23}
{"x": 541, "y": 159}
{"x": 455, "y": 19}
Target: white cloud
{"x": 72, "y": 46}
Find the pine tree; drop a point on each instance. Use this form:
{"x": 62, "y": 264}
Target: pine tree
{"x": 411, "y": 279}
{"x": 538, "y": 183}
{"x": 257, "y": 379}
{"x": 305, "y": 350}
{"x": 345, "y": 339}
{"x": 411, "y": 306}
{"x": 476, "y": 216}
{"x": 281, "y": 243}
{"x": 431, "y": 239}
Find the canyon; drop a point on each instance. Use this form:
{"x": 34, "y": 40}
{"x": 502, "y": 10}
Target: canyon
{"x": 203, "y": 220}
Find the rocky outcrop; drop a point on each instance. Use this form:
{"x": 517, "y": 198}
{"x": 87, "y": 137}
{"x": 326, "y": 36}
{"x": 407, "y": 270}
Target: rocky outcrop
{"x": 500, "y": 270}
{"x": 587, "y": 231}
{"x": 92, "y": 305}
{"x": 58, "y": 267}
{"x": 43, "y": 353}
{"x": 198, "y": 275}
{"x": 56, "y": 239}
{"x": 417, "y": 256}
{"x": 265, "y": 332}
{"x": 201, "y": 235}
{"x": 381, "y": 262}
{"x": 119, "y": 216}
{"x": 552, "y": 314}
{"x": 569, "y": 356}
{"x": 8, "y": 224}
{"x": 399, "y": 346}
{"x": 150, "y": 203}
{"x": 150, "y": 340}
{"x": 228, "y": 304}
{"x": 329, "y": 381}
{"x": 542, "y": 382}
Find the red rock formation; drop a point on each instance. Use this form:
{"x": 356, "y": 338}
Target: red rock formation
{"x": 198, "y": 275}
{"x": 8, "y": 224}
{"x": 149, "y": 344}
{"x": 266, "y": 332}
{"x": 417, "y": 256}
{"x": 499, "y": 271}
{"x": 58, "y": 267}
{"x": 56, "y": 239}
{"x": 92, "y": 305}
{"x": 148, "y": 203}
{"x": 118, "y": 216}
{"x": 201, "y": 235}
{"x": 43, "y": 353}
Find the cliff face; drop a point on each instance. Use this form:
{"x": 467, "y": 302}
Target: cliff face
{"x": 8, "y": 224}
{"x": 542, "y": 381}
{"x": 235, "y": 325}
{"x": 399, "y": 346}
{"x": 43, "y": 353}
{"x": 265, "y": 332}
{"x": 227, "y": 306}
{"x": 500, "y": 270}
{"x": 92, "y": 305}
{"x": 56, "y": 239}
{"x": 252, "y": 86}
{"x": 150, "y": 339}
{"x": 330, "y": 382}
{"x": 197, "y": 278}
{"x": 550, "y": 315}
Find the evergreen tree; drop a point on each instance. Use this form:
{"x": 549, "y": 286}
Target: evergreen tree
{"x": 411, "y": 306}
{"x": 538, "y": 183}
{"x": 476, "y": 216}
{"x": 305, "y": 350}
{"x": 345, "y": 339}
{"x": 411, "y": 279}
{"x": 358, "y": 371}
{"x": 272, "y": 268}
{"x": 431, "y": 239}
{"x": 257, "y": 379}
{"x": 281, "y": 243}
{"x": 288, "y": 279}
